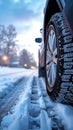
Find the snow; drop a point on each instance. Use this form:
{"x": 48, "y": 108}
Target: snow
{"x": 18, "y": 118}
{"x": 6, "y": 71}
{"x": 66, "y": 114}
{"x": 11, "y": 76}
{"x": 45, "y": 121}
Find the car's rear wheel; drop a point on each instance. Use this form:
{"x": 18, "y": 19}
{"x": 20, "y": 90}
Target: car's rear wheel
{"x": 59, "y": 60}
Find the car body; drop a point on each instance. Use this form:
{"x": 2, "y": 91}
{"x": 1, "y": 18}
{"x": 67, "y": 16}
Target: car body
{"x": 56, "y": 50}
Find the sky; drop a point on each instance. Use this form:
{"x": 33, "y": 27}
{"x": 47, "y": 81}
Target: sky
{"x": 27, "y": 17}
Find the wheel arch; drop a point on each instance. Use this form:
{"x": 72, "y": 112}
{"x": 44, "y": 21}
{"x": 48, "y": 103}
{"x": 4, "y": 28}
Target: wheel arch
{"x": 52, "y": 7}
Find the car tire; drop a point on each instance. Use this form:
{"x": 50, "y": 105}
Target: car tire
{"x": 59, "y": 51}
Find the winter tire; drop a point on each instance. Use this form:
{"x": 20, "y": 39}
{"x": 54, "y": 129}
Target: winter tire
{"x": 59, "y": 60}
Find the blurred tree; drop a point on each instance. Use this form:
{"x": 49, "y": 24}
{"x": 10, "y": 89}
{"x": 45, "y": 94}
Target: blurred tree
{"x": 10, "y": 35}
{"x": 2, "y": 29}
{"x": 8, "y": 41}
{"x": 26, "y": 59}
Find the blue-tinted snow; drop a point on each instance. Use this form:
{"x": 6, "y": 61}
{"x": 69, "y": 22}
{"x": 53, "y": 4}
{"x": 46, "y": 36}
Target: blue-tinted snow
{"x": 18, "y": 119}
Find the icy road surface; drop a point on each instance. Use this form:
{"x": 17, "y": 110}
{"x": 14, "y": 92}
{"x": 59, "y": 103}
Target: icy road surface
{"x": 28, "y": 107}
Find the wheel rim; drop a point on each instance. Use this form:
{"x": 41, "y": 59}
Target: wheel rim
{"x": 51, "y": 58}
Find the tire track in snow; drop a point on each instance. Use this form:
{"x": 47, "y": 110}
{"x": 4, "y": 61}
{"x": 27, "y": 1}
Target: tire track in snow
{"x": 42, "y": 115}
{"x": 38, "y": 119}
{"x": 34, "y": 109}
{"x": 56, "y": 122}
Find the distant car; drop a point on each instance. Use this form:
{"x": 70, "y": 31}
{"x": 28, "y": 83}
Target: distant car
{"x": 56, "y": 52}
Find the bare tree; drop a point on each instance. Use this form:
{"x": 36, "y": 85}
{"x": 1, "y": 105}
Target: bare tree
{"x": 2, "y": 29}
{"x": 8, "y": 41}
{"x": 10, "y": 35}
{"x": 27, "y": 58}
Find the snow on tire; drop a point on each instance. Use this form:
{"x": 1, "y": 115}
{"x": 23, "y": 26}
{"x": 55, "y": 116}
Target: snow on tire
{"x": 60, "y": 87}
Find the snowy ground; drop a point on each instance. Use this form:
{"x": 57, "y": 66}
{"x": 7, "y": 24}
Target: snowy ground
{"x": 33, "y": 110}
{"x": 9, "y": 77}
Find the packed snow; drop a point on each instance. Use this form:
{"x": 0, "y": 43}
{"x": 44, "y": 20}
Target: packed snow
{"x": 30, "y": 109}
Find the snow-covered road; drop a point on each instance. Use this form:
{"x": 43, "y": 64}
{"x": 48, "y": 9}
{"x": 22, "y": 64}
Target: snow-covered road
{"x": 11, "y": 98}
{"x": 28, "y": 107}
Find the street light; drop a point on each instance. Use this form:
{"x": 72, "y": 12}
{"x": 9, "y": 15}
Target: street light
{"x": 5, "y": 59}
{"x": 25, "y": 65}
